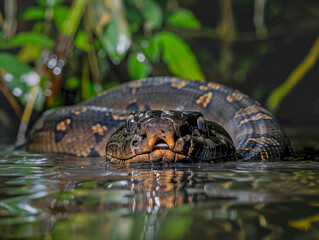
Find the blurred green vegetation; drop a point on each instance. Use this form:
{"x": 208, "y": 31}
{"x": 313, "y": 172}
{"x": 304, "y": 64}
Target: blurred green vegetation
{"x": 72, "y": 50}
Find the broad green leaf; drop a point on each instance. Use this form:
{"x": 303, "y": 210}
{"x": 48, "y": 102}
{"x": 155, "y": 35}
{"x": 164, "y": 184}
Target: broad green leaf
{"x": 183, "y": 18}
{"x": 179, "y": 58}
{"x": 134, "y": 20}
{"x": 33, "y": 13}
{"x": 27, "y": 38}
{"x": 98, "y": 15}
{"x": 114, "y": 36}
{"x": 150, "y": 48}
{"x": 137, "y": 65}
{"x": 38, "y": 27}
{"x": 59, "y": 16}
{"x": 12, "y": 65}
{"x": 29, "y": 52}
{"x": 152, "y": 14}
{"x": 81, "y": 42}
{"x": 115, "y": 41}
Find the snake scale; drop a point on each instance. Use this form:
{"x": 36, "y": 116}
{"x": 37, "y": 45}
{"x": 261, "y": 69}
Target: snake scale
{"x": 82, "y": 130}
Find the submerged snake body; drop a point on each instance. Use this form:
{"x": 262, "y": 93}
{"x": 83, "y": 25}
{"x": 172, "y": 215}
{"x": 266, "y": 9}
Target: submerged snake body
{"x": 83, "y": 130}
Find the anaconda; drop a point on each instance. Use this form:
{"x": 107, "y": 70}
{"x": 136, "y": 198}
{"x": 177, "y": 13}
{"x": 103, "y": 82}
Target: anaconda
{"x": 84, "y": 129}
{"x": 168, "y": 136}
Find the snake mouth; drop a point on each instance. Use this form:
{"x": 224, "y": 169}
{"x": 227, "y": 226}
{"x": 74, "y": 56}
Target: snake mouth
{"x": 159, "y": 154}
{"x": 160, "y": 144}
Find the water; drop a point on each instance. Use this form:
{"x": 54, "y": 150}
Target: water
{"x": 63, "y": 197}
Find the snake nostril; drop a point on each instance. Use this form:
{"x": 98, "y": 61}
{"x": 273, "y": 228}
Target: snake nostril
{"x": 143, "y": 136}
{"x": 135, "y": 143}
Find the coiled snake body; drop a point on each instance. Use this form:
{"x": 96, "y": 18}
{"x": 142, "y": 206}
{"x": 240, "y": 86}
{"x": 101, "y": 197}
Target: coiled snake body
{"x": 83, "y": 130}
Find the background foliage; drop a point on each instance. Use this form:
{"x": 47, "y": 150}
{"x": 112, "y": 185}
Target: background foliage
{"x": 68, "y": 51}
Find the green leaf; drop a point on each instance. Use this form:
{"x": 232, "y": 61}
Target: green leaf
{"x": 27, "y": 38}
{"x": 81, "y": 42}
{"x": 115, "y": 41}
{"x": 73, "y": 83}
{"x": 137, "y": 65}
{"x": 152, "y": 14}
{"x": 183, "y": 18}
{"x": 59, "y": 16}
{"x": 134, "y": 20}
{"x": 150, "y": 48}
{"x": 110, "y": 84}
{"x": 33, "y": 13}
{"x": 72, "y": 20}
{"x": 12, "y": 65}
{"x": 29, "y": 52}
{"x": 179, "y": 58}
{"x": 38, "y": 27}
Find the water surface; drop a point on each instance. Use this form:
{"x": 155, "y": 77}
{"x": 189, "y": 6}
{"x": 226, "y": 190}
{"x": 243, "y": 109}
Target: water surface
{"x": 63, "y": 197}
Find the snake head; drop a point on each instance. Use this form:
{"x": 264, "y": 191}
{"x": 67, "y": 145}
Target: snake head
{"x": 168, "y": 136}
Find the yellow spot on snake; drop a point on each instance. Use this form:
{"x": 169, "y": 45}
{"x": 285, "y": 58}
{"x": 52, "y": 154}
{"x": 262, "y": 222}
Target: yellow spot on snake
{"x": 254, "y": 118}
{"x": 247, "y": 149}
{"x": 132, "y": 101}
{"x": 102, "y": 93}
{"x": 77, "y": 111}
{"x": 269, "y": 141}
{"x": 99, "y": 129}
{"x": 264, "y": 154}
{"x": 179, "y": 84}
{"x": 39, "y": 126}
{"x": 246, "y": 111}
{"x": 135, "y": 85}
{"x": 202, "y": 87}
{"x": 63, "y": 125}
{"x": 204, "y": 99}
{"x": 213, "y": 86}
{"x": 118, "y": 117}
{"x": 235, "y": 96}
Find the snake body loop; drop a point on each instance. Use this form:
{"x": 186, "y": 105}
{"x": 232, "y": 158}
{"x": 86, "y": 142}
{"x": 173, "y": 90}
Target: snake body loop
{"x": 83, "y": 130}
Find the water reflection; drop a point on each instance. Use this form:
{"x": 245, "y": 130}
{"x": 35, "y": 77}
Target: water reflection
{"x": 65, "y": 197}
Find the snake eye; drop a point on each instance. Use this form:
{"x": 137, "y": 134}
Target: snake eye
{"x": 201, "y": 124}
{"x": 129, "y": 122}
